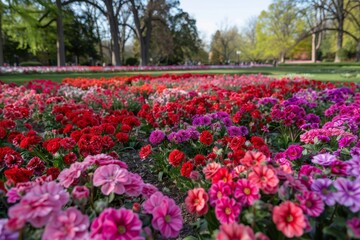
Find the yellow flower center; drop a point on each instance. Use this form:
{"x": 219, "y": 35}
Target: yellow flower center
{"x": 219, "y": 195}
{"x": 228, "y": 211}
{"x": 121, "y": 229}
{"x": 289, "y": 218}
{"x": 225, "y": 179}
{"x": 167, "y": 218}
{"x": 247, "y": 191}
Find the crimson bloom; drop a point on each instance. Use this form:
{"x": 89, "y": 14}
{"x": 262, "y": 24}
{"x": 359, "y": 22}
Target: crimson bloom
{"x": 176, "y": 157}
{"x": 206, "y": 137}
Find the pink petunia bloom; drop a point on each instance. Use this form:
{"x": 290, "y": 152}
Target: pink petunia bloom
{"x": 196, "y": 201}
{"x": 264, "y": 178}
{"x": 148, "y": 190}
{"x": 235, "y": 231}
{"x": 154, "y": 201}
{"x": 111, "y": 178}
{"x": 245, "y": 192}
{"x": 116, "y": 224}
{"x": 219, "y": 190}
{"x": 167, "y": 219}
{"x": 68, "y": 225}
{"x": 289, "y": 219}
{"x": 311, "y": 203}
{"x": 69, "y": 175}
{"x": 353, "y": 226}
{"x": 134, "y": 186}
{"x": 227, "y": 210}
{"x": 211, "y": 169}
{"x": 38, "y": 205}
{"x": 80, "y": 193}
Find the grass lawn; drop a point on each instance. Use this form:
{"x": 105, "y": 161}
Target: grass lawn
{"x": 323, "y": 72}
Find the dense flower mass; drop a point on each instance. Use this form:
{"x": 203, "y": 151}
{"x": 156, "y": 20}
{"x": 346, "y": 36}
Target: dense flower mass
{"x": 247, "y": 157}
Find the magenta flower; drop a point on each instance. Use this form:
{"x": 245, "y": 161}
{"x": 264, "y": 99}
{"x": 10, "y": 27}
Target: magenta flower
{"x": 111, "y": 178}
{"x": 353, "y": 226}
{"x": 154, "y": 201}
{"x": 227, "y": 210}
{"x": 321, "y": 186}
{"x": 294, "y": 152}
{"x": 38, "y": 205}
{"x": 80, "y": 193}
{"x": 116, "y": 224}
{"x": 324, "y": 159}
{"x": 348, "y": 193}
{"x": 167, "y": 219}
{"x": 246, "y": 193}
{"x": 156, "y": 137}
{"x": 134, "y": 186}
{"x": 311, "y": 203}
{"x": 219, "y": 190}
{"x": 68, "y": 225}
{"x": 148, "y": 190}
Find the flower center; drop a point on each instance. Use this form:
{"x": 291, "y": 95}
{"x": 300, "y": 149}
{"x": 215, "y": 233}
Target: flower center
{"x": 247, "y": 191}
{"x": 289, "y": 218}
{"x": 225, "y": 179}
{"x": 167, "y": 218}
{"x": 219, "y": 195}
{"x": 308, "y": 204}
{"x": 228, "y": 211}
{"x": 263, "y": 179}
{"x": 121, "y": 229}
{"x": 196, "y": 202}
{"x": 324, "y": 191}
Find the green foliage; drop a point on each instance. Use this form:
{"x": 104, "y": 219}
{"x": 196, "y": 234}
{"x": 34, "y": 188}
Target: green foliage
{"x": 30, "y": 63}
{"x": 132, "y": 61}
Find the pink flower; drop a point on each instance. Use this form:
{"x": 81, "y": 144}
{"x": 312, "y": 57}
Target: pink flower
{"x": 311, "y": 203}
{"x": 111, "y": 178}
{"x": 134, "y": 186}
{"x": 67, "y": 225}
{"x": 235, "y": 231}
{"x": 80, "y": 193}
{"x": 116, "y": 224}
{"x": 5, "y": 232}
{"x": 289, "y": 219}
{"x": 196, "y": 201}
{"x": 246, "y": 192}
{"x": 38, "y": 205}
{"x": 69, "y": 175}
{"x": 153, "y": 202}
{"x": 148, "y": 190}
{"x": 219, "y": 190}
{"x": 211, "y": 169}
{"x": 227, "y": 210}
{"x": 167, "y": 219}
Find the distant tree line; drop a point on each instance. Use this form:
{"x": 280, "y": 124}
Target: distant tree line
{"x": 327, "y": 30}
{"x": 57, "y": 32}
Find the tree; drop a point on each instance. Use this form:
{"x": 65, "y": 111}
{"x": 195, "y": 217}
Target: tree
{"x": 224, "y": 43}
{"x": 248, "y": 43}
{"x": 280, "y": 27}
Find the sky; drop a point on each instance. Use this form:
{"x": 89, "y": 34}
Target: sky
{"x": 211, "y": 14}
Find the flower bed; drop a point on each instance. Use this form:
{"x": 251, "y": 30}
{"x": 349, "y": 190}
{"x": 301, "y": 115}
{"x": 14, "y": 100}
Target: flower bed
{"x": 252, "y": 158}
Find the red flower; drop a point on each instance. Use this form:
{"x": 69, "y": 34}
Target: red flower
{"x": 186, "y": 169}
{"x": 222, "y": 174}
{"x": 206, "y": 137}
{"x": 53, "y": 172}
{"x": 176, "y": 157}
{"x": 70, "y": 158}
{"x": 35, "y": 164}
{"x": 18, "y": 175}
{"x": 122, "y": 137}
{"x": 199, "y": 160}
{"x": 3, "y": 133}
{"x": 125, "y": 128}
{"x": 145, "y": 151}
{"x": 52, "y": 145}
{"x": 257, "y": 141}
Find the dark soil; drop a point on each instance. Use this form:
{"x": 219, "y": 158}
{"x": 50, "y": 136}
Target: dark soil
{"x": 166, "y": 186}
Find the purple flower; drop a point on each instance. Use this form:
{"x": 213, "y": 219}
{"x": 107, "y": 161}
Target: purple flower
{"x": 348, "y": 193}
{"x": 237, "y": 131}
{"x": 311, "y": 203}
{"x": 182, "y": 136}
{"x": 324, "y": 159}
{"x": 354, "y": 227}
{"x": 197, "y": 121}
{"x": 194, "y": 134}
{"x": 206, "y": 120}
{"x": 321, "y": 186}
{"x": 346, "y": 141}
{"x": 6, "y": 233}
{"x": 355, "y": 151}
{"x": 227, "y": 122}
{"x": 156, "y": 137}
{"x": 354, "y": 166}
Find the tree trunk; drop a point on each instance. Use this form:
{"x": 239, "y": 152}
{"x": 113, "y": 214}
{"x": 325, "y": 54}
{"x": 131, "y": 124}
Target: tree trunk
{"x": 313, "y": 48}
{"x": 99, "y": 39}
{"x": 340, "y": 34}
{"x": 358, "y": 51}
{"x": 1, "y": 37}
{"x": 60, "y": 45}
{"x": 114, "y": 30}
{"x": 282, "y": 57}
{"x": 339, "y": 45}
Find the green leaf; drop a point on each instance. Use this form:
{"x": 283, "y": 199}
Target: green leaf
{"x": 160, "y": 176}
{"x": 331, "y": 231}
{"x": 190, "y": 238}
